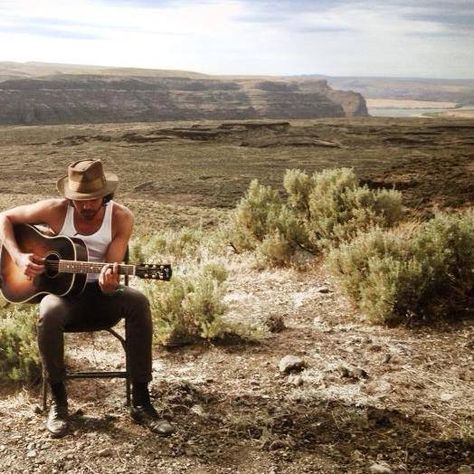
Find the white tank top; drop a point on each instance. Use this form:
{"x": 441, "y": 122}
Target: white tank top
{"x": 97, "y": 242}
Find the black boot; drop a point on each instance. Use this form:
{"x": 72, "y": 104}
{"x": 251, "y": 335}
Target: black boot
{"x": 144, "y": 413}
{"x": 58, "y": 419}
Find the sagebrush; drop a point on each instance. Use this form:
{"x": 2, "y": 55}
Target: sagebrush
{"x": 417, "y": 272}
{"x": 19, "y": 358}
{"x": 319, "y": 212}
{"x": 191, "y": 306}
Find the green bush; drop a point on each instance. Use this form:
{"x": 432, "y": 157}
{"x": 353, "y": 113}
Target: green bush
{"x": 255, "y": 216}
{"x": 19, "y": 359}
{"x": 189, "y": 307}
{"x": 336, "y": 207}
{"x": 177, "y": 243}
{"x": 422, "y": 272}
{"x": 320, "y": 212}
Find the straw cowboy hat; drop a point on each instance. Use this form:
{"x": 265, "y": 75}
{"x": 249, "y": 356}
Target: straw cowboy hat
{"x": 86, "y": 180}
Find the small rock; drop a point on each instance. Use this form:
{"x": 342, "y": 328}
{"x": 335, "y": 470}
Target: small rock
{"x": 378, "y": 468}
{"x": 464, "y": 469}
{"x": 357, "y": 456}
{"x": 378, "y": 387}
{"x": 275, "y": 323}
{"x": 106, "y": 452}
{"x": 295, "y": 380}
{"x": 446, "y": 397}
{"x": 277, "y": 444}
{"x": 31, "y": 454}
{"x": 291, "y": 363}
{"x": 345, "y": 372}
{"x": 375, "y": 348}
{"x": 198, "y": 410}
{"x": 360, "y": 373}
{"x": 323, "y": 289}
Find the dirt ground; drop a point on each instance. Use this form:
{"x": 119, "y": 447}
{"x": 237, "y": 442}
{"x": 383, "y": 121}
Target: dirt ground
{"x": 369, "y": 399}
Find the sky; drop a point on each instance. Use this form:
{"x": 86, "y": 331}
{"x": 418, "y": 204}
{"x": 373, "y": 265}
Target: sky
{"x": 400, "y": 38}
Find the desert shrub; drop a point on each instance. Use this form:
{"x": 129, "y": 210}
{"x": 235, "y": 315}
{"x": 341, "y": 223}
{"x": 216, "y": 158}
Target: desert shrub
{"x": 334, "y": 207}
{"x": 177, "y": 243}
{"x": 321, "y": 211}
{"x": 419, "y": 272}
{"x": 445, "y": 247}
{"x": 184, "y": 247}
{"x": 255, "y": 215}
{"x": 19, "y": 359}
{"x": 189, "y": 307}
{"x": 216, "y": 271}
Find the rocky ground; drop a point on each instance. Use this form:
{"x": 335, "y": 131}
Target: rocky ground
{"x": 358, "y": 398}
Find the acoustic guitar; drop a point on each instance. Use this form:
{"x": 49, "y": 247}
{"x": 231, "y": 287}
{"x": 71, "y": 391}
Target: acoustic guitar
{"x": 66, "y": 267}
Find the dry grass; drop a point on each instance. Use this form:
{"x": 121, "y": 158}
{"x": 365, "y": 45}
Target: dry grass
{"x": 428, "y": 159}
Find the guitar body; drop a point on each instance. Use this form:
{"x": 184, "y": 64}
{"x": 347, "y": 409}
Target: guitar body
{"x": 18, "y": 288}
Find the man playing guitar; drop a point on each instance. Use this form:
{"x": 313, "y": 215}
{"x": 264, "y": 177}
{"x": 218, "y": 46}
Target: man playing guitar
{"x": 86, "y": 210}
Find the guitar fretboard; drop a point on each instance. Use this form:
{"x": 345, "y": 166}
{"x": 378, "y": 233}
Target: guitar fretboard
{"x": 74, "y": 266}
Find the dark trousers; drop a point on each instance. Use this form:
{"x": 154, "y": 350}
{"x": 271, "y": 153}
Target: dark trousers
{"x": 92, "y": 310}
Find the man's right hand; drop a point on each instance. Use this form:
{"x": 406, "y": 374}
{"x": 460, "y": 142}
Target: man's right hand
{"x": 31, "y": 264}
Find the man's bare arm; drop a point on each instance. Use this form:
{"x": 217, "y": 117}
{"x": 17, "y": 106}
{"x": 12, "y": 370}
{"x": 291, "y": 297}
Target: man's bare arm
{"x": 123, "y": 226}
{"x": 43, "y": 212}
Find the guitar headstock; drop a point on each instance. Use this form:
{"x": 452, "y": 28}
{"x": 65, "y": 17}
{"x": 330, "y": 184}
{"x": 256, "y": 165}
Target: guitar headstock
{"x": 153, "y": 271}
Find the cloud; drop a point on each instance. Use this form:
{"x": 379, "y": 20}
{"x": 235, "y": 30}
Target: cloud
{"x": 338, "y": 37}
{"x": 153, "y": 3}
{"x": 49, "y": 27}
{"x": 315, "y": 29}
{"x": 52, "y": 32}
{"x": 452, "y": 14}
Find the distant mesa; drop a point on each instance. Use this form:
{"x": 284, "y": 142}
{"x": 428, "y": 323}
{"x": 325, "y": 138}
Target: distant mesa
{"x": 35, "y": 93}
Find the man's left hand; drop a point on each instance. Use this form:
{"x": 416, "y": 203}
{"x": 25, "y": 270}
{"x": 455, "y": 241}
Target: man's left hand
{"x": 109, "y": 278}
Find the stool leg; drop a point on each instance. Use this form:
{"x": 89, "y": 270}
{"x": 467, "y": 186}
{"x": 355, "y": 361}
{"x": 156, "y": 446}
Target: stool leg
{"x": 128, "y": 391}
{"x": 127, "y": 361}
{"x": 44, "y": 390}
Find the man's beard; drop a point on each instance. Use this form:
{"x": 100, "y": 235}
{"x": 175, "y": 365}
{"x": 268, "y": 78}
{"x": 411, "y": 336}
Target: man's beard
{"x": 88, "y": 214}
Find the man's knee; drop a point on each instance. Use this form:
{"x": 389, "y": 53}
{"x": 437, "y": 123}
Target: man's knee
{"x": 137, "y": 298}
{"x": 137, "y": 303}
{"x": 52, "y": 313}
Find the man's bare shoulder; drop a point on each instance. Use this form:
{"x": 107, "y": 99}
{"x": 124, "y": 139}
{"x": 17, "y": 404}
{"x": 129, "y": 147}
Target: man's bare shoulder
{"x": 38, "y": 212}
{"x": 122, "y": 214}
{"x": 54, "y": 203}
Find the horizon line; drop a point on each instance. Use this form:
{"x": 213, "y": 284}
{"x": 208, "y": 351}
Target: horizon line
{"x": 286, "y": 75}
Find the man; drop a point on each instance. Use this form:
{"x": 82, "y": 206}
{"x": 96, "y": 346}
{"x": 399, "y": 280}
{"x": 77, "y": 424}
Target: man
{"x": 87, "y": 211}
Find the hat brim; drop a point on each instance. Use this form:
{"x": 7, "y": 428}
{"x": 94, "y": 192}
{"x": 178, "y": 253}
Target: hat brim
{"x": 110, "y": 186}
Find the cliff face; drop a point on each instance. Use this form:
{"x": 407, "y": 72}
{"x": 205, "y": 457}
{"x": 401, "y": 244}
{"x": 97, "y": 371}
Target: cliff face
{"x": 353, "y": 103}
{"x": 79, "y": 98}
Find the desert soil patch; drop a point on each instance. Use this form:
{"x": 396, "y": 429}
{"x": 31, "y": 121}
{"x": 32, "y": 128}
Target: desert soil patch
{"x": 401, "y": 398}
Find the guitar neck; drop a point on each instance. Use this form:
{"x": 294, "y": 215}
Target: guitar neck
{"x": 75, "y": 266}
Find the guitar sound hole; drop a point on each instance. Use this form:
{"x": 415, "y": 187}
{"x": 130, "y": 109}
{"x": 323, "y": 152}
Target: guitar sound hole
{"x": 52, "y": 265}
